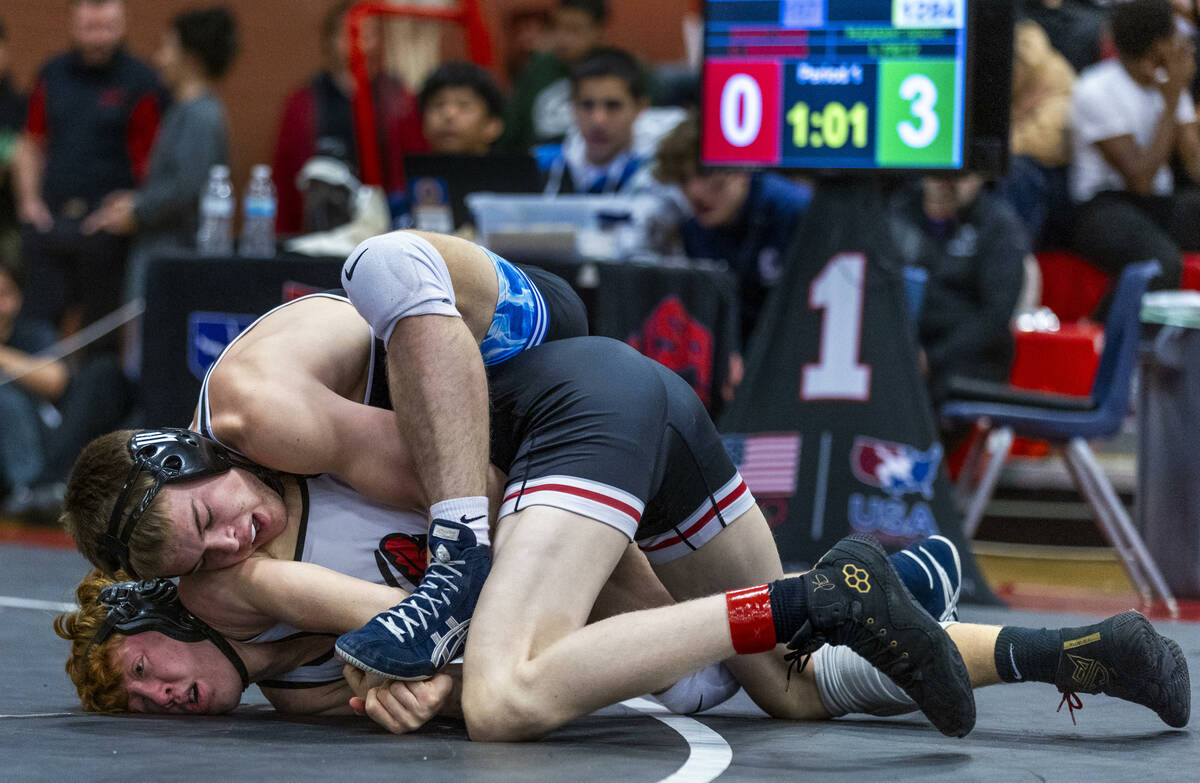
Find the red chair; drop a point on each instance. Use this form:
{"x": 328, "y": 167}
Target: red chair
{"x": 1191, "y": 272}
{"x": 1071, "y": 287}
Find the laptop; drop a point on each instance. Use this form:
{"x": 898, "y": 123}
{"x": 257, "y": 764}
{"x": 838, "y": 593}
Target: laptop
{"x": 436, "y": 180}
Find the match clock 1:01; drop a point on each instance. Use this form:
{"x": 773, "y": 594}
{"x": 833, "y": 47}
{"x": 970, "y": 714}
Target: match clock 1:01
{"x": 832, "y": 126}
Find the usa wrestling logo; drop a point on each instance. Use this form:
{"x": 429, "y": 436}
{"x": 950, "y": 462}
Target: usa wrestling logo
{"x": 896, "y": 468}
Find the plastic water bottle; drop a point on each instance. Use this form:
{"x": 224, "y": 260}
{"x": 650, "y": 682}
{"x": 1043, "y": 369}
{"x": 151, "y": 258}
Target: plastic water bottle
{"x": 215, "y": 234}
{"x": 258, "y": 215}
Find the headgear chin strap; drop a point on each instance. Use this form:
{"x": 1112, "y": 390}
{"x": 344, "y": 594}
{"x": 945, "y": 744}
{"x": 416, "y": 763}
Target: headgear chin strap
{"x": 154, "y": 605}
{"x": 169, "y": 454}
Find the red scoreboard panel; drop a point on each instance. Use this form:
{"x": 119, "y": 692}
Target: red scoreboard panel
{"x": 742, "y": 114}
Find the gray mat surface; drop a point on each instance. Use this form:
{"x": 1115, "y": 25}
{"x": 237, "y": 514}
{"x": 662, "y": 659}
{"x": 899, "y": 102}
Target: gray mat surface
{"x": 45, "y": 736}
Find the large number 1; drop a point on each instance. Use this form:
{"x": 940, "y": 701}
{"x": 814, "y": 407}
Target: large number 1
{"x": 838, "y": 292}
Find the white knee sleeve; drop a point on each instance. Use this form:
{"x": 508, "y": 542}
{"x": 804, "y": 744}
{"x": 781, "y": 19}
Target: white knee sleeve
{"x": 394, "y": 276}
{"x": 847, "y": 683}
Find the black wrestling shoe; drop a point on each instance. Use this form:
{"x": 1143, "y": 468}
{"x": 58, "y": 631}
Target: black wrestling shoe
{"x": 1125, "y": 657}
{"x": 855, "y": 598}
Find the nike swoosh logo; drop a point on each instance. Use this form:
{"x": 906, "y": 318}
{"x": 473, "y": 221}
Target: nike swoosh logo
{"x": 1013, "y": 660}
{"x": 354, "y": 263}
{"x": 463, "y": 519}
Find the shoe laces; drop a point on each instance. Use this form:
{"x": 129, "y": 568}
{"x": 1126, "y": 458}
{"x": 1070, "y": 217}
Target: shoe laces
{"x": 1073, "y": 702}
{"x": 437, "y": 584}
{"x": 873, "y": 645}
{"x": 797, "y": 661}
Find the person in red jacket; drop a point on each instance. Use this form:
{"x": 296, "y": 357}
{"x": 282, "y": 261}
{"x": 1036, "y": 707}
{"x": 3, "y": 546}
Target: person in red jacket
{"x": 320, "y": 116}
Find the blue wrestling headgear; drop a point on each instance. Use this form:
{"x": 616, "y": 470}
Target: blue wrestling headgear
{"x": 168, "y": 455}
{"x": 154, "y": 605}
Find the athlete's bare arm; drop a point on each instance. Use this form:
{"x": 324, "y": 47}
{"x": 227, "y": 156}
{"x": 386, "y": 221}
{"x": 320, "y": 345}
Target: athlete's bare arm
{"x": 248, "y": 598}
{"x": 289, "y": 393}
{"x": 251, "y": 596}
{"x": 331, "y": 699}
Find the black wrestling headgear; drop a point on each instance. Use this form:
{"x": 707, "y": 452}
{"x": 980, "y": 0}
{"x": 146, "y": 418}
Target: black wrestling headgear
{"x": 154, "y": 605}
{"x": 169, "y": 454}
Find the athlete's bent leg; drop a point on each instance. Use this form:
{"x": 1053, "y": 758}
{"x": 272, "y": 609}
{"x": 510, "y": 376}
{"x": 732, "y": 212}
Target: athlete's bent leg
{"x": 531, "y": 664}
{"x": 745, "y": 554}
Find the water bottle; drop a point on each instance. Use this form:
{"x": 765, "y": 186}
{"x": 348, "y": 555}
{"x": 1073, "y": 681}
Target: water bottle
{"x": 258, "y": 215}
{"x": 215, "y": 234}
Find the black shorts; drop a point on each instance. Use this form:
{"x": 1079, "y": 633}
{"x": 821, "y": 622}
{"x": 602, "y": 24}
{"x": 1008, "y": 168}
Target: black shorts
{"x": 590, "y": 426}
{"x": 565, "y": 310}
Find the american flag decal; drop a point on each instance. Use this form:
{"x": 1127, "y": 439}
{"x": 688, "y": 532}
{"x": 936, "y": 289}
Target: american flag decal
{"x": 767, "y": 461}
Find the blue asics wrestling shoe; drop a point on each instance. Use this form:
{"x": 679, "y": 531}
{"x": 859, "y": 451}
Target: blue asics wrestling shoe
{"x": 427, "y": 630}
{"x": 855, "y": 598}
{"x": 932, "y": 572}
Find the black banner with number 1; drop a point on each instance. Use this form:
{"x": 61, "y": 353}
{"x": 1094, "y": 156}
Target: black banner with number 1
{"x": 834, "y": 425}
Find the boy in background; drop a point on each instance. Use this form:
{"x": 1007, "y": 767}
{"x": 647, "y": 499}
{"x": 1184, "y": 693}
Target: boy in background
{"x": 462, "y": 110}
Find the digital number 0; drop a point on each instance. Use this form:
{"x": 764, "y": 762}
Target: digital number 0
{"x": 741, "y": 110}
{"x": 923, "y": 93}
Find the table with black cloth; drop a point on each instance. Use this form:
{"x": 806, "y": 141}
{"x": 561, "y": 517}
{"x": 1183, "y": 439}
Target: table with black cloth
{"x": 683, "y": 315}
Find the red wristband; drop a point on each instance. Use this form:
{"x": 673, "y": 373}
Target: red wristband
{"x": 750, "y": 621}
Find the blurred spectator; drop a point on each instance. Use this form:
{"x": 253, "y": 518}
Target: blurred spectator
{"x": 92, "y": 117}
{"x": 525, "y": 36}
{"x": 608, "y": 92}
{"x": 539, "y": 111}
{"x": 973, "y": 247}
{"x": 320, "y": 115}
{"x": 21, "y": 450}
{"x": 1041, "y": 103}
{"x": 1187, "y": 21}
{"x": 738, "y": 217}
{"x": 1075, "y": 27}
{"x": 196, "y": 50}
{"x": 462, "y": 110}
{"x": 12, "y": 119}
{"x": 1128, "y": 117}
{"x": 47, "y": 410}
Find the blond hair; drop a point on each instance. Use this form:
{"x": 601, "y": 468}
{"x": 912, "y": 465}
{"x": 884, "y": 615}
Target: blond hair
{"x": 98, "y": 679}
{"x": 92, "y": 489}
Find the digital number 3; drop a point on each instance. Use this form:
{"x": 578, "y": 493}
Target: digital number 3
{"x": 923, "y": 93}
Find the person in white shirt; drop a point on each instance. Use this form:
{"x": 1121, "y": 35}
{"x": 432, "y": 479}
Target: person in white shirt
{"x": 608, "y": 94}
{"x": 1128, "y": 117}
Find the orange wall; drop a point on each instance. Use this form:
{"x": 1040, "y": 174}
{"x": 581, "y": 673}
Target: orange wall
{"x": 280, "y": 48}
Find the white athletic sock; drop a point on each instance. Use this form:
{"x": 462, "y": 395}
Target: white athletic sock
{"x": 847, "y": 683}
{"x": 700, "y": 690}
{"x": 474, "y": 510}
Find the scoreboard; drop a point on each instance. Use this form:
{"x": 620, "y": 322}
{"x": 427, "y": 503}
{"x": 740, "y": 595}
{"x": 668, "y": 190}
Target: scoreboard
{"x": 844, "y": 84}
